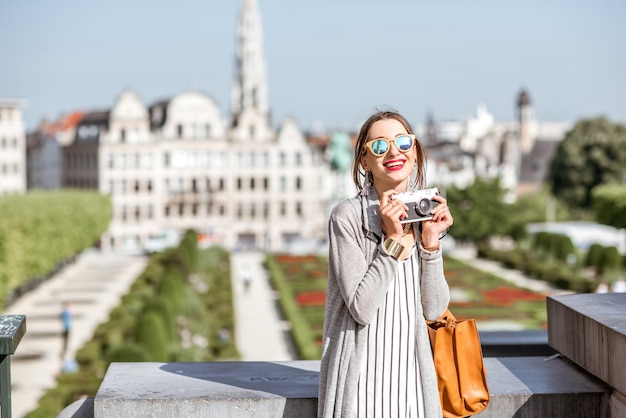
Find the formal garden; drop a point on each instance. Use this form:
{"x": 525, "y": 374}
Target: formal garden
{"x": 301, "y": 283}
{"x": 179, "y": 309}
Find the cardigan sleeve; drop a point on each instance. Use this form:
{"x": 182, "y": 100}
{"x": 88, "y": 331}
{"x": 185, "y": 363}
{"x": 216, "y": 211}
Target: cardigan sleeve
{"x": 363, "y": 288}
{"x": 433, "y": 285}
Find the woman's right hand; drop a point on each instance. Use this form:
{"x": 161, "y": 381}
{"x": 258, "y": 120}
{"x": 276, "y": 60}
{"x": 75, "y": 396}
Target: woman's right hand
{"x": 391, "y": 212}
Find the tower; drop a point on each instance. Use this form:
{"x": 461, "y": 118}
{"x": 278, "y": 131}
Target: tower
{"x": 249, "y": 97}
{"x": 526, "y": 121}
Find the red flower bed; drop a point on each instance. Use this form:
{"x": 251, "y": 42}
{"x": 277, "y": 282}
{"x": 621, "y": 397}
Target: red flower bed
{"x": 318, "y": 274}
{"x": 508, "y": 295}
{"x": 287, "y": 258}
{"x": 311, "y": 298}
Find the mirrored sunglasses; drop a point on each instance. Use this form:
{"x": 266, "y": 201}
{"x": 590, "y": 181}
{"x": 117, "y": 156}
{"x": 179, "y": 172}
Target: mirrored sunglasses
{"x": 380, "y": 146}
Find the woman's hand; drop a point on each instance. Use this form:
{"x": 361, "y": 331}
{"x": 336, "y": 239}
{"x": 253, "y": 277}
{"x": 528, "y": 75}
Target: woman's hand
{"x": 391, "y": 212}
{"x": 441, "y": 221}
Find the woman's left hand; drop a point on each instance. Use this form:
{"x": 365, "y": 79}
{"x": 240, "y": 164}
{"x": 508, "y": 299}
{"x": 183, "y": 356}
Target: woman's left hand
{"x": 441, "y": 221}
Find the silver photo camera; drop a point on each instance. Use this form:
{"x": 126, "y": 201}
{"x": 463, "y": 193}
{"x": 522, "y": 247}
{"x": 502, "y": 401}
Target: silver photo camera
{"x": 420, "y": 204}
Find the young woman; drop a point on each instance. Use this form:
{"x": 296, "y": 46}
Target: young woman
{"x": 385, "y": 278}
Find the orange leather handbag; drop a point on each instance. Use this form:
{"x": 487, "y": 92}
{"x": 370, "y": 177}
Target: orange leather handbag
{"x": 458, "y": 357}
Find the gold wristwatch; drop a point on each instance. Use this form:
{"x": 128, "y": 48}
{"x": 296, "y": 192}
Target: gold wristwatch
{"x": 393, "y": 247}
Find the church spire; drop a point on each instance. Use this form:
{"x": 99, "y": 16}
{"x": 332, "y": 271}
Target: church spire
{"x": 250, "y": 108}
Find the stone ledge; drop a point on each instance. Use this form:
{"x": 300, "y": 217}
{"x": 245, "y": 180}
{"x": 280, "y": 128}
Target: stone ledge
{"x": 520, "y": 387}
{"x": 515, "y": 343}
{"x": 590, "y": 330}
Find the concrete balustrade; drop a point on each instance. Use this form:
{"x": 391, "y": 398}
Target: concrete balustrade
{"x": 590, "y": 331}
{"x": 587, "y": 378}
{"x": 520, "y": 387}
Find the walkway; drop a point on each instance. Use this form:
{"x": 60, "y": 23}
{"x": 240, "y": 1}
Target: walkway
{"x": 262, "y": 334}
{"x": 93, "y": 285}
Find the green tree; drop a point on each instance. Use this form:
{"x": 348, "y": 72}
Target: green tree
{"x": 592, "y": 153}
{"x": 478, "y": 211}
{"x": 609, "y": 205}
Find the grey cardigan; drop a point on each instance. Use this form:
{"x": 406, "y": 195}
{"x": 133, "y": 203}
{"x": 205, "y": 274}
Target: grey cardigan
{"x": 360, "y": 271}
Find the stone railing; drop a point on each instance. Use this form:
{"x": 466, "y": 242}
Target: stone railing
{"x": 587, "y": 378}
{"x": 12, "y": 329}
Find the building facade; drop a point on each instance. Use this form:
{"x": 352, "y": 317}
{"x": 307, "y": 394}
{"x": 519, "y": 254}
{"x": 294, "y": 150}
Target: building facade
{"x": 518, "y": 152}
{"x": 12, "y": 147}
{"x": 177, "y": 164}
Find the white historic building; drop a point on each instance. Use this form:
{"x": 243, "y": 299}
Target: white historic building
{"x": 12, "y": 147}
{"x": 177, "y": 164}
{"x": 517, "y": 152}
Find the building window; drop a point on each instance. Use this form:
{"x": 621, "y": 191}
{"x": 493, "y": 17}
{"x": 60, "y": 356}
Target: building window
{"x": 181, "y": 209}
{"x": 123, "y": 135}
{"x": 149, "y": 186}
{"x": 137, "y": 213}
{"x": 266, "y": 159}
{"x": 167, "y": 211}
{"x": 222, "y": 210}
{"x": 298, "y": 183}
{"x": 194, "y": 209}
{"x": 266, "y": 210}
{"x": 194, "y": 186}
{"x": 266, "y": 183}
{"x": 282, "y": 159}
{"x": 166, "y": 159}
{"x": 207, "y": 130}
{"x": 298, "y": 158}
{"x": 252, "y": 183}
{"x": 239, "y": 183}
{"x": 179, "y": 131}
{"x": 299, "y": 208}
{"x": 137, "y": 186}
{"x": 150, "y": 212}
{"x": 283, "y": 208}
{"x": 252, "y": 211}
{"x": 252, "y": 158}
{"x": 221, "y": 184}
{"x": 239, "y": 210}
{"x": 283, "y": 184}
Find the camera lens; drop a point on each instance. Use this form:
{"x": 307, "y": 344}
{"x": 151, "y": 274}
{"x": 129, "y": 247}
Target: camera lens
{"x": 423, "y": 207}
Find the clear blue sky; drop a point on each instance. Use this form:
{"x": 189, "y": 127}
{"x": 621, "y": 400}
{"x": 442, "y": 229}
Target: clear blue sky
{"x": 329, "y": 62}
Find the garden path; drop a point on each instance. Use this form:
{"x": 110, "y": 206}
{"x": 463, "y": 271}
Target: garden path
{"x": 262, "y": 333}
{"x": 93, "y": 285}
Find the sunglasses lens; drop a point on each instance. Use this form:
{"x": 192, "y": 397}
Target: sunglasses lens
{"x": 379, "y": 147}
{"x": 404, "y": 142}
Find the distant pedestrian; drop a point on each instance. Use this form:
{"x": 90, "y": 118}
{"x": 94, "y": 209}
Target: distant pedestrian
{"x": 66, "y": 319}
{"x": 246, "y": 279}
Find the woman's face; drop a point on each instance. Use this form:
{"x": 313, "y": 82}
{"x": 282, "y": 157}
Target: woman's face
{"x": 391, "y": 170}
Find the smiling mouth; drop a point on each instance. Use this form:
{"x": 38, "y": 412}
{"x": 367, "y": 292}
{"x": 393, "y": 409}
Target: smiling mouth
{"x": 394, "y": 164}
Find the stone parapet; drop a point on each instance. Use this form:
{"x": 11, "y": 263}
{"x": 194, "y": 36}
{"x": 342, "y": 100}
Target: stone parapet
{"x": 520, "y": 387}
{"x": 590, "y": 330}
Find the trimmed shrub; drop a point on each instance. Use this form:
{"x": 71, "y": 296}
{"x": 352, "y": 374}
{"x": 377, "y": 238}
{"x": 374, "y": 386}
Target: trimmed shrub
{"x": 152, "y": 336}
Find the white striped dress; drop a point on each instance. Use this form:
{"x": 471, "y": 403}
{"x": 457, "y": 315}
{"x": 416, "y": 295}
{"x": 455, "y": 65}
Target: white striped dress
{"x": 389, "y": 384}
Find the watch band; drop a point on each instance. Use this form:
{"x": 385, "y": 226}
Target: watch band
{"x": 393, "y": 247}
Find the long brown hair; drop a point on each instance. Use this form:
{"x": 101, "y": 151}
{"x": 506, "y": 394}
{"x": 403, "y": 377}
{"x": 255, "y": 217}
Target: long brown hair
{"x": 418, "y": 180}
